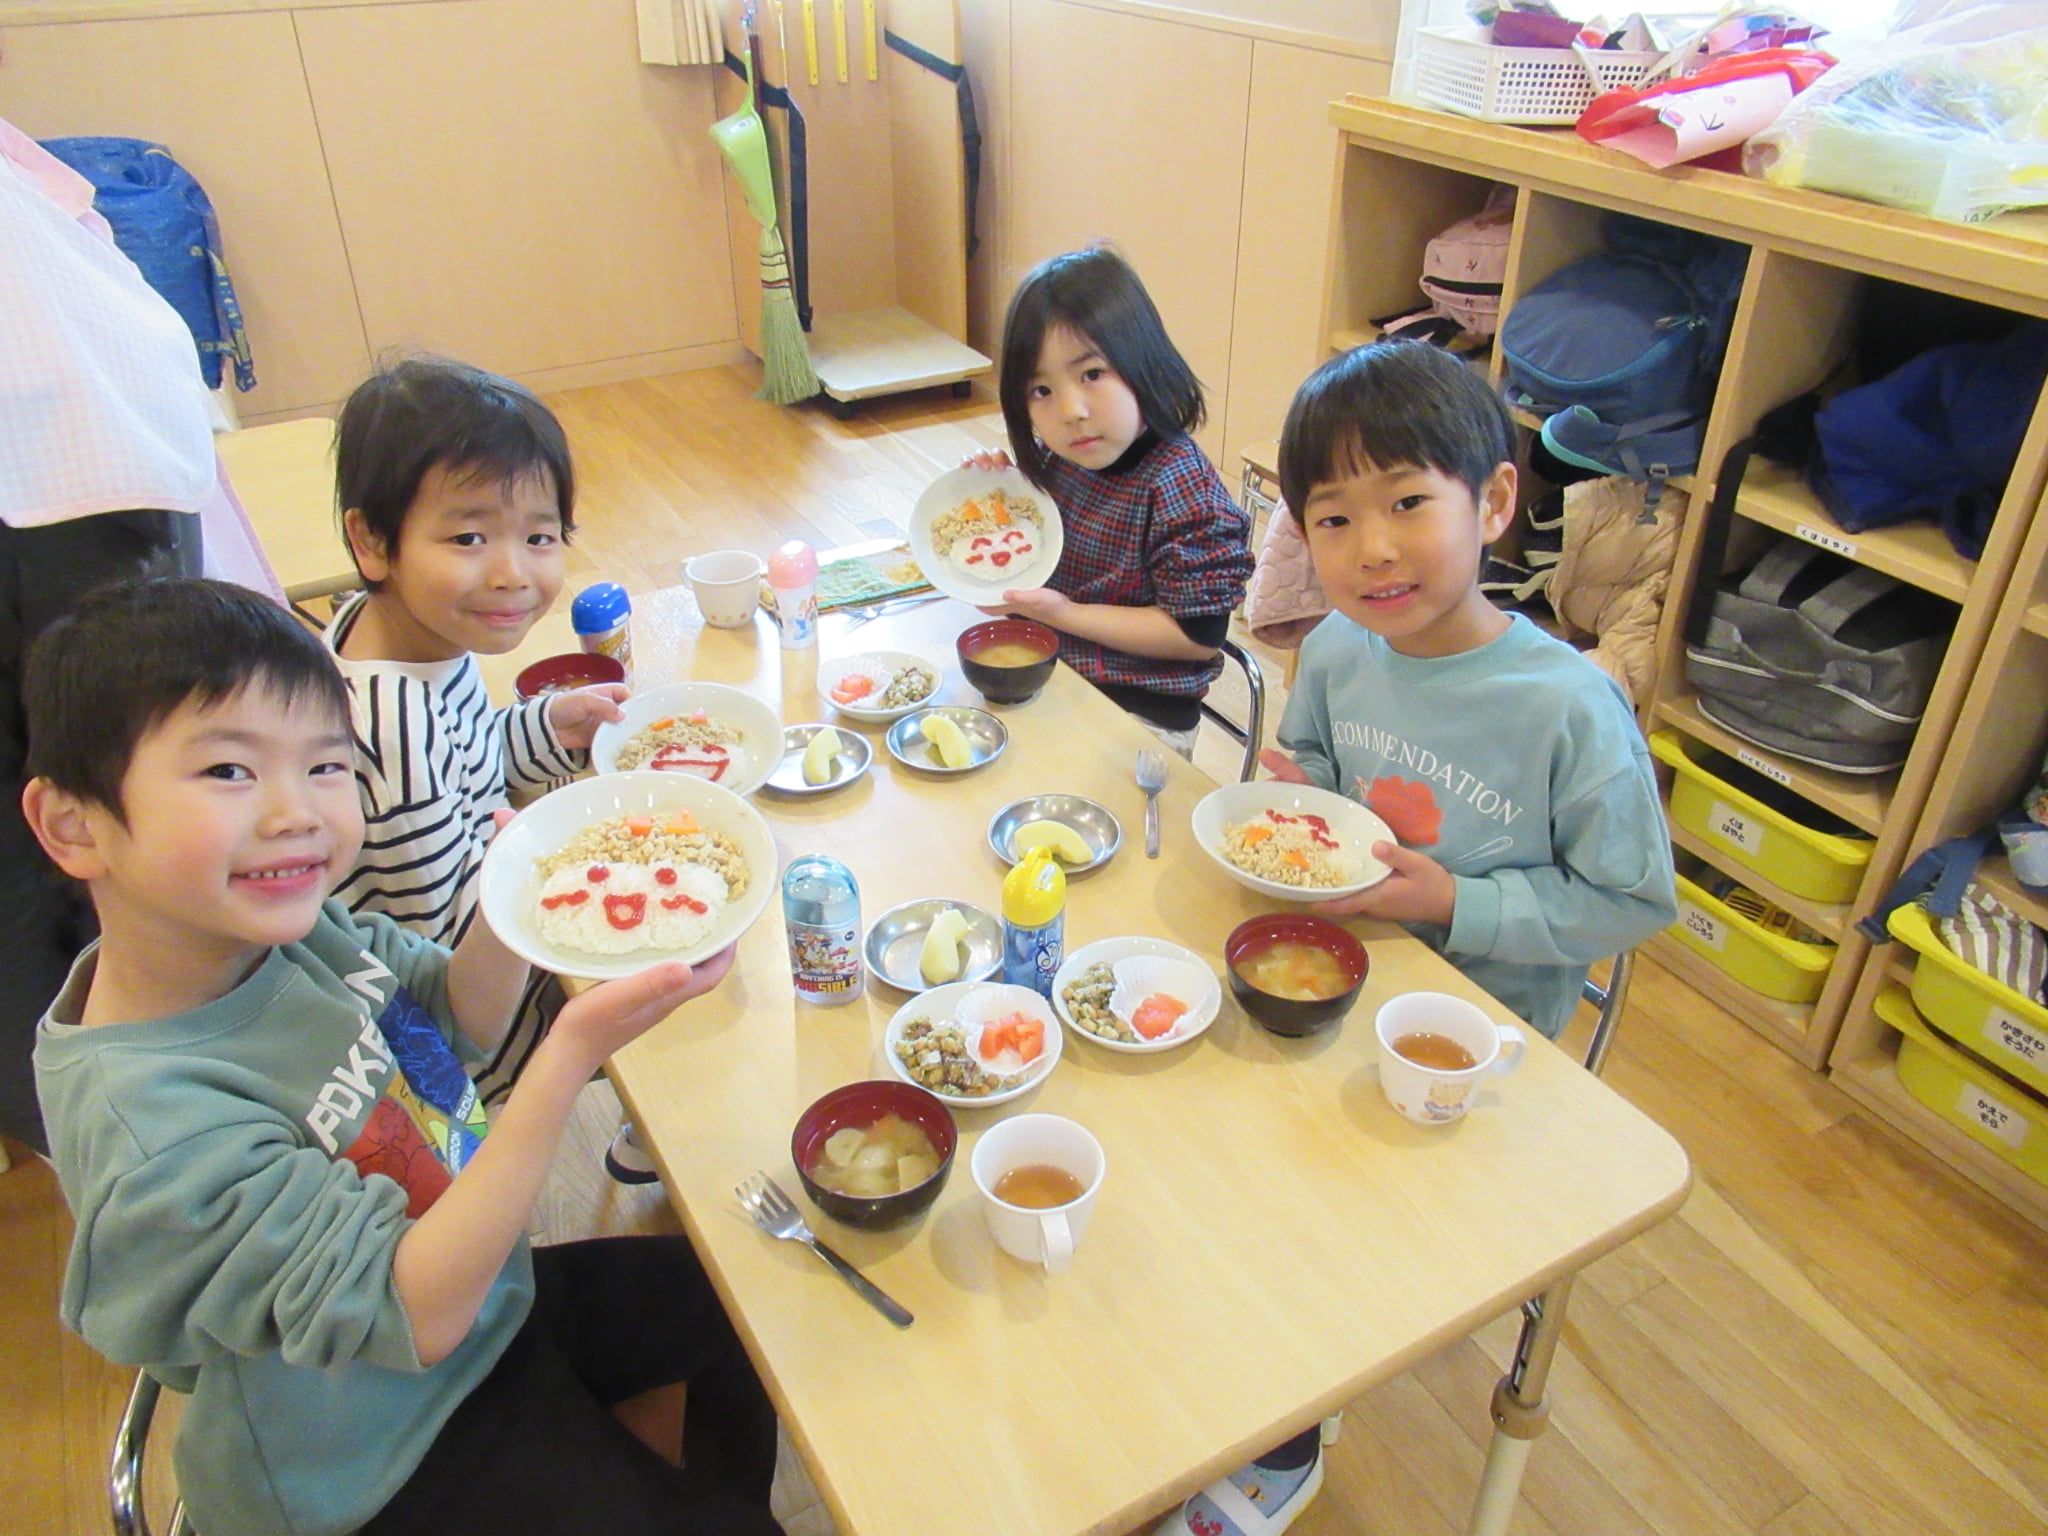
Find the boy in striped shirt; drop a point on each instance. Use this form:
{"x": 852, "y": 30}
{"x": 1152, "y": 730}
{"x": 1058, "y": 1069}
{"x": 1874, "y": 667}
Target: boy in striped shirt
{"x": 456, "y": 493}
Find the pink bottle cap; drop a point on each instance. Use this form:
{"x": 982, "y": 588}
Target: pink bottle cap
{"x": 795, "y": 564}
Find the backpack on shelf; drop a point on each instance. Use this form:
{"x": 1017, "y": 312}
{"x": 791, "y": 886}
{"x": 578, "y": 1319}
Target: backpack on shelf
{"x": 1465, "y": 267}
{"x": 1620, "y": 351}
{"x": 1819, "y": 659}
{"x": 1463, "y": 271}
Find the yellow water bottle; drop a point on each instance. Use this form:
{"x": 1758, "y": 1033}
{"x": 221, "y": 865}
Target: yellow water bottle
{"x": 1034, "y": 921}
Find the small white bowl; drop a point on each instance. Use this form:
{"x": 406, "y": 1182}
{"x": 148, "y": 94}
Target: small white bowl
{"x": 509, "y": 883}
{"x": 941, "y": 1005}
{"x": 1198, "y": 1018}
{"x": 877, "y": 664}
{"x": 1351, "y": 824}
{"x": 754, "y": 756}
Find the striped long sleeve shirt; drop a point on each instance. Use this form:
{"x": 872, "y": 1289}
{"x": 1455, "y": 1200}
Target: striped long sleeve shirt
{"x": 433, "y": 761}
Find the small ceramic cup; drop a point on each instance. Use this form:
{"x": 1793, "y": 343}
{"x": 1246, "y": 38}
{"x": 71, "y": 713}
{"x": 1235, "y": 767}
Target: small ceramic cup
{"x": 1033, "y": 1159}
{"x": 1459, "y": 1047}
{"x": 727, "y": 584}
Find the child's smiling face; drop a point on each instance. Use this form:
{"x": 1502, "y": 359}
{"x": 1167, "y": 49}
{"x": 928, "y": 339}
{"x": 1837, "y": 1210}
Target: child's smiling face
{"x": 1398, "y": 552}
{"x": 477, "y": 561}
{"x": 1080, "y": 407}
{"x": 237, "y": 820}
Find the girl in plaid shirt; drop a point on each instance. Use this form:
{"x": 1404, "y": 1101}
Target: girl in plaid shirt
{"x": 1099, "y": 406}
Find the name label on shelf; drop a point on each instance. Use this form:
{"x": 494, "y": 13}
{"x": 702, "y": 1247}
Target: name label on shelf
{"x": 2016, "y": 1037}
{"x": 1768, "y": 769}
{"x": 1826, "y": 540}
{"x": 2000, "y": 1120}
{"x": 1703, "y": 925}
{"x": 1731, "y": 826}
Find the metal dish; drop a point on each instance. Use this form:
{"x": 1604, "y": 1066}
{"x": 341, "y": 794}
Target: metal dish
{"x": 1092, "y": 823}
{"x": 986, "y": 738}
{"x": 896, "y": 942}
{"x": 787, "y": 777}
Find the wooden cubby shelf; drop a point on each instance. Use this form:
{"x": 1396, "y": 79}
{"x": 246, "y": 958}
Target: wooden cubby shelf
{"x": 1863, "y": 800}
{"x": 1820, "y": 273}
{"x": 1916, "y": 553}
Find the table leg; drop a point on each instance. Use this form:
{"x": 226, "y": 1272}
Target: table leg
{"x": 1520, "y": 1413}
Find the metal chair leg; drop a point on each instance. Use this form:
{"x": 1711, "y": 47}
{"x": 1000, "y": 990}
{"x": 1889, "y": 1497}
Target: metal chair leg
{"x": 124, "y": 1475}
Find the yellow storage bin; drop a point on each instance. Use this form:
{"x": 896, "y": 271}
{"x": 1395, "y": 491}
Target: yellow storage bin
{"x": 2007, "y": 1028}
{"x": 1816, "y": 865}
{"x": 1967, "y": 1094}
{"x": 1766, "y": 962}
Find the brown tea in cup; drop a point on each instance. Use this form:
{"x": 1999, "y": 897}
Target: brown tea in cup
{"x": 1440, "y": 1053}
{"x": 1038, "y": 1187}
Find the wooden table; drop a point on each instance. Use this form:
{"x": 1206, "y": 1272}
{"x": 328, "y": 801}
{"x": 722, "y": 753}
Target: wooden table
{"x": 283, "y": 475}
{"x": 1271, "y": 1240}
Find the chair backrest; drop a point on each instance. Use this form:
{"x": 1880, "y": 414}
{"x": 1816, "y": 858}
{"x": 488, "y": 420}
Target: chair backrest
{"x": 1251, "y": 731}
{"x": 124, "y": 1476}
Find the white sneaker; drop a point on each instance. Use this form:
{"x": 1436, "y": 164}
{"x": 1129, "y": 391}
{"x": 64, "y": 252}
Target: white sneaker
{"x": 627, "y": 1161}
{"x": 1249, "y": 1502}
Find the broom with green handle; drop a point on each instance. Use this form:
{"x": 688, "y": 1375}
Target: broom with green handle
{"x": 786, "y": 372}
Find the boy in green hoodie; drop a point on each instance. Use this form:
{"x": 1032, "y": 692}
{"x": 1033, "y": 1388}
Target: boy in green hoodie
{"x": 288, "y": 1201}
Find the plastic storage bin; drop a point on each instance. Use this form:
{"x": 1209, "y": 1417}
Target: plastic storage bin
{"x": 1770, "y": 963}
{"x": 2007, "y": 1028}
{"x": 1456, "y": 68}
{"x": 2011, "y": 1122}
{"x": 1819, "y": 866}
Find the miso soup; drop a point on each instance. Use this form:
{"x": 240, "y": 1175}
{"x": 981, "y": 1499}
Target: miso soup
{"x": 1008, "y": 653}
{"x": 1303, "y": 973}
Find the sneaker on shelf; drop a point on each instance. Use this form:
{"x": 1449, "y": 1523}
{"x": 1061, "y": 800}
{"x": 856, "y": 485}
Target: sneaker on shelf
{"x": 1252, "y": 1501}
{"x": 627, "y": 1161}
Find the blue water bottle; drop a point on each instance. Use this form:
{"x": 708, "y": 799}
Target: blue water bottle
{"x": 821, "y": 907}
{"x": 602, "y": 618}
{"x": 1034, "y": 921}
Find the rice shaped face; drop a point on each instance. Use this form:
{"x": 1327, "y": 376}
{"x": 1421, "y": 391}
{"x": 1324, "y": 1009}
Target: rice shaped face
{"x": 615, "y": 908}
{"x": 1288, "y": 849}
{"x": 989, "y": 537}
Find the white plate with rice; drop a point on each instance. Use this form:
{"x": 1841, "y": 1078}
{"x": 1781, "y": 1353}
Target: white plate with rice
{"x": 978, "y": 533}
{"x": 603, "y": 877}
{"x": 695, "y": 730}
{"x": 1293, "y": 842}
{"x": 898, "y": 682}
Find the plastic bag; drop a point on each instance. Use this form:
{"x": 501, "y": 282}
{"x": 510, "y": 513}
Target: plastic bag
{"x": 1948, "y": 115}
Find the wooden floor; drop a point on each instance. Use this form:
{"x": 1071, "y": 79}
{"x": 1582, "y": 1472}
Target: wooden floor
{"x": 1834, "y": 1336}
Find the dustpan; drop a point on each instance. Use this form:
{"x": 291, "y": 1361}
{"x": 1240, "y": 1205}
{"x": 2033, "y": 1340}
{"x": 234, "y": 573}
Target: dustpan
{"x": 786, "y": 372}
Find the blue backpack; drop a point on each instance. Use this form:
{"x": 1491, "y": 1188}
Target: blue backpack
{"x": 1619, "y": 352}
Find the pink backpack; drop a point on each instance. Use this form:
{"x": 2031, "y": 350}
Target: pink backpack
{"x": 1463, "y": 268}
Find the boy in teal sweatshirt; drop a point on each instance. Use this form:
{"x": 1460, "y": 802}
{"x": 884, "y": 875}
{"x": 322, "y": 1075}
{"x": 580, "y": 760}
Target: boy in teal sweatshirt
{"x": 288, "y": 1201}
{"x": 1510, "y": 768}
{"x": 1531, "y": 840}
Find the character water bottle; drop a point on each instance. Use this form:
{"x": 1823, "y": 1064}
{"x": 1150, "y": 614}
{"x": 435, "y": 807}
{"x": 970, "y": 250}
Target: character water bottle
{"x": 1034, "y": 921}
{"x": 821, "y": 907}
{"x": 793, "y": 573}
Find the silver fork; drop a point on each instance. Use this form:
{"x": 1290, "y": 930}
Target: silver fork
{"x": 1151, "y": 779}
{"x": 776, "y": 1214}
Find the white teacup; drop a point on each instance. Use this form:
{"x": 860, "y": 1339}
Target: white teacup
{"x": 1032, "y": 1159}
{"x": 1439, "y": 1089}
{"x": 727, "y": 584}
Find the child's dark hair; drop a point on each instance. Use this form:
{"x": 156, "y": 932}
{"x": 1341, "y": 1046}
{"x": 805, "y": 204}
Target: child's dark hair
{"x": 1093, "y": 293}
{"x": 1391, "y": 405}
{"x": 129, "y": 655}
{"x": 412, "y": 415}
